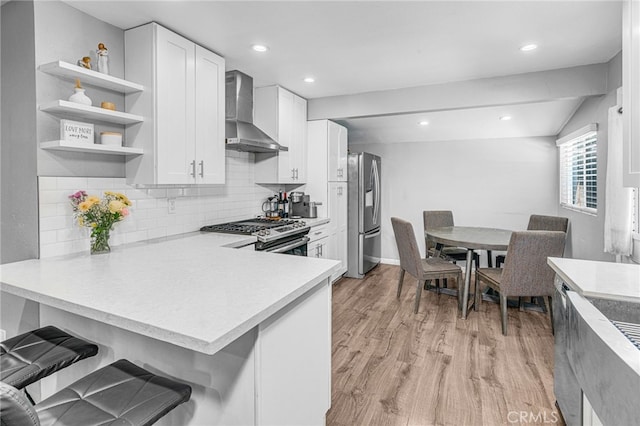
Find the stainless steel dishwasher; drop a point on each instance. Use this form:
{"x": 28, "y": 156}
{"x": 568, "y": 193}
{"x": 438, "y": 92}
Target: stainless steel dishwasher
{"x": 565, "y": 384}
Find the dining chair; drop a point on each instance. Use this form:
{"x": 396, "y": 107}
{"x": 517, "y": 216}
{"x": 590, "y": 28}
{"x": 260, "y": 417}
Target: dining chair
{"x": 541, "y": 223}
{"x": 525, "y": 271}
{"x": 424, "y": 270}
{"x": 437, "y": 219}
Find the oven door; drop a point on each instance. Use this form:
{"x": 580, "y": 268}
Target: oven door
{"x": 296, "y": 246}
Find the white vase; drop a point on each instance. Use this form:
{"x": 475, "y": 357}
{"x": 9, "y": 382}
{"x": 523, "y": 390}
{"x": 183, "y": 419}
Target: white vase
{"x": 79, "y": 97}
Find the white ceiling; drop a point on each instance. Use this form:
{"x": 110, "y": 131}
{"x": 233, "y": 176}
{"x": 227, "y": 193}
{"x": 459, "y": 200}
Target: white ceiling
{"x": 361, "y": 46}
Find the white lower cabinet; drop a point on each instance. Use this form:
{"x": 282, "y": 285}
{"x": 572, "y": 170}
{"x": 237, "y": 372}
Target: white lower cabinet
{"x": 319, "y": 243}
{"x": 294, "y": 347}
{"x": 182, "y": 136}
{"x": 338, "y": 225}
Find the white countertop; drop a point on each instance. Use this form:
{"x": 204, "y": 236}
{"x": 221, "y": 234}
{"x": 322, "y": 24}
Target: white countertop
{"x": 602, "y": 280}
{"x": 316, "y": 221}
{"x": 188, "y": 290}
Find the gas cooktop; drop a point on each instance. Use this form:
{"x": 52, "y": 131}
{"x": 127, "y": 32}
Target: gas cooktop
{"x": 250, "y": 226}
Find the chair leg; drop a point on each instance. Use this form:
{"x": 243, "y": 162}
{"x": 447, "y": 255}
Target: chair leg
{"x": 477, "y": 294}
{"x": 418, "y": 294}
{"x": 503, "y": 313}
{"x": 489, "y": 259}
{"x": 400, "y": 279}
{"x": 550, "y": 303}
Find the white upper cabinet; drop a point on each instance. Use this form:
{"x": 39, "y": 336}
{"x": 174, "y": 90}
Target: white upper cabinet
{"x": 631, "y": 92}
{"x": 183, "y": 106}
{"x": 337, "y": 152}
{"x": 283, "y": 116}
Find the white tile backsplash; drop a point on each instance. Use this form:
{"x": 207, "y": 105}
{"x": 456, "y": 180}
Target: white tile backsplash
{"x": 195, "y": 207}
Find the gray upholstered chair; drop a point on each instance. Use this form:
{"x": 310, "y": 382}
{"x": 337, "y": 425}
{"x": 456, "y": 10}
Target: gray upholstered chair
{"x": 411, "y": 261}
{"x": 437, "y": 219}
{"x": 120, "y": 393}
{"x": 525, "y": 271}
{"x": 541, "y": 223}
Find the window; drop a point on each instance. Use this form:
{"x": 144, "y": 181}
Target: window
{"x": 579, "y": 169}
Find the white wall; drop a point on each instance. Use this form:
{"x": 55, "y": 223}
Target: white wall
{"x": 19, "y": 229}
{"x": 493, "y": 182}
{"x": 587, "y": 231}
{"x": 195, "y": 206}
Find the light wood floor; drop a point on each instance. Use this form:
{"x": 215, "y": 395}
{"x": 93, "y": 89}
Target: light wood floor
{"x": 394, "y": 367}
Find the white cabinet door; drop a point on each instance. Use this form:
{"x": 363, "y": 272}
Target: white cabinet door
{"x": 298, "y": 146}
{"x": 183, "y": 133}
{"x": 288, "y": 126}
{"x": 293, "y": 348}
{"x": 338, "y": 224}
{"x": 175, "y": 106}
{"x": 210, "y": 113}
{"x": 337, "y": 152}
{"x": 631, "y": 96}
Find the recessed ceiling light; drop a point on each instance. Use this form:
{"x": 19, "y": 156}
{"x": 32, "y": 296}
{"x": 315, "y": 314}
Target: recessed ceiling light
{"x": 528, "y": 47}
{"x": 309, "y": 79}
{"x": 259, "y": 47}
{"x": 505, "y": 118}
{"x": 423, "y": 123}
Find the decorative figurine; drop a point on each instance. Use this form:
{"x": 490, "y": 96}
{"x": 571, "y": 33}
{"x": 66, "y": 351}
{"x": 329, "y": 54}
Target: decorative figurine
{"x": 103, "y": 59}
{"x": 79, "y": 96}
{"x": 85, "y": 62}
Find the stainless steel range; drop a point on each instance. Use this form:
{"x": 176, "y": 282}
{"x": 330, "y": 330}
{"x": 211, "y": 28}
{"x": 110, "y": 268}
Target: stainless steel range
{"x": 276, "y": 236}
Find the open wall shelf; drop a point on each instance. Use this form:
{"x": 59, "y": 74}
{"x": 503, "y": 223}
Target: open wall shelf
{"x": 62, "y": 145}
{"x": 71, "y": 72}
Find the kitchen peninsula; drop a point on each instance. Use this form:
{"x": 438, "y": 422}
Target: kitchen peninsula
{"x": 243, "y": 328}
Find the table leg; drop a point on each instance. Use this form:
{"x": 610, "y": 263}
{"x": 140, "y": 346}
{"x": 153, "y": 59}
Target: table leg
{"x": 467, "y": 284}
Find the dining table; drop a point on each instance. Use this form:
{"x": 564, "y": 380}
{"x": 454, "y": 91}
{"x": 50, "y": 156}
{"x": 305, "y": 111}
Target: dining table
{"x": 472, "y": 238}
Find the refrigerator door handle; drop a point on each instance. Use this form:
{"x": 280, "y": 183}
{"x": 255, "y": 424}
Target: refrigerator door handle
{"x": 368, "y": 236}
{"x": 376, "y": 180}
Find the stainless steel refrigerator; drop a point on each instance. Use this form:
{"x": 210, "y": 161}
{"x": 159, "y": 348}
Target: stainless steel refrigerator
{"x": 364, "y": 247}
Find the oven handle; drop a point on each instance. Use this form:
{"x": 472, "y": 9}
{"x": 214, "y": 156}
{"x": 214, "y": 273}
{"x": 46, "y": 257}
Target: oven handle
{"x": 302, "y": 241}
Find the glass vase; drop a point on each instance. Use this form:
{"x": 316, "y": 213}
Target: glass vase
{"x": 100, "y": 241}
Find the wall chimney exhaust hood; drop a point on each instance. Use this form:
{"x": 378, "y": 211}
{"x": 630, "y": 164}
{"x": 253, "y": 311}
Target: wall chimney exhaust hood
{"x": 240, "y": 132}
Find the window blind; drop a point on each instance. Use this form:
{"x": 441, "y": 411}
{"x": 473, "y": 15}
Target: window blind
{"x": 579, "y": 170}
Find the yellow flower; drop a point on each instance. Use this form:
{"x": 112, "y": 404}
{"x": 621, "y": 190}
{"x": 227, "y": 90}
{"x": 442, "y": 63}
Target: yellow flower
{"x": 92, "y": 199}
{"x": 80, "y": 221}
{"x": 109, "y": 193}
{"x": 123, "y": 198}
{"x": 116, "y": 206}
{"x": 94, "y": 225}
{"x": 84, "y": 206}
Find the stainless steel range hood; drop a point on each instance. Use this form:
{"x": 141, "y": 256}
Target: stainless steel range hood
{"x": 241, "y": 134}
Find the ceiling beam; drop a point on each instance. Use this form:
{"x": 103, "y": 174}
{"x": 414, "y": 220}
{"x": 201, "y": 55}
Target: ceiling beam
{"x": 566, "y": 83}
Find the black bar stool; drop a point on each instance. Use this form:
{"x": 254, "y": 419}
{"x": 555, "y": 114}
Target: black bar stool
{"x": 28, "y": 357}
{"x": 120, "y": 393}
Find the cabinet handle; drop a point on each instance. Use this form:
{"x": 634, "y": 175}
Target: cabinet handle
{"x": 293, "y": 173}
{"x": 340, "y": 172}
{"x": 202, "y": 168}
{"x": 193, "y": 168}
{"x": 296, "y": 174}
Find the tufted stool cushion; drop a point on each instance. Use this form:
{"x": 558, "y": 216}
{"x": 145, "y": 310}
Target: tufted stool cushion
{"x": 120, "y": 393}
{"x": 29, "y": 357}
{"x": 15, "y": 409}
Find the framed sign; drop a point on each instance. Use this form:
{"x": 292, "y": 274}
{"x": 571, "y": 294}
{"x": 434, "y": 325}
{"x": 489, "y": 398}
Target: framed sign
{"x": 76, "y": 131}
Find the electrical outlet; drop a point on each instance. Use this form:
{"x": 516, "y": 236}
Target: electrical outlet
{"x": 171, "y": 205}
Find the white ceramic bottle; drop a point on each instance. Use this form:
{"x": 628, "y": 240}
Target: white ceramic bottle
{"x": 79, "y": 96}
